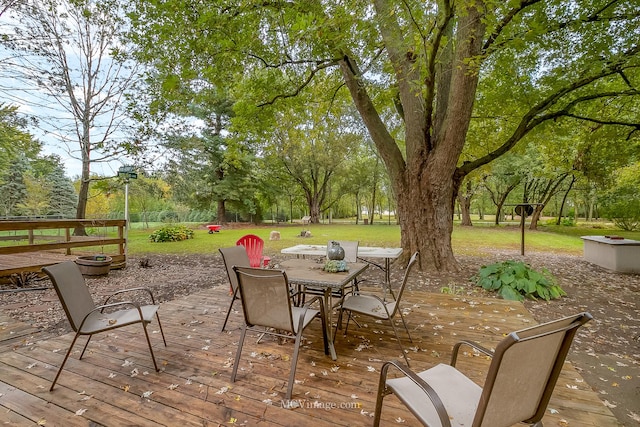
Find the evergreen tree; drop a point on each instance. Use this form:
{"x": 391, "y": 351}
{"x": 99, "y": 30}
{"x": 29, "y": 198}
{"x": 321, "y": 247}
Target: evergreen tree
{"x": 63, "y": 197}
{"x": 13, "y": 189}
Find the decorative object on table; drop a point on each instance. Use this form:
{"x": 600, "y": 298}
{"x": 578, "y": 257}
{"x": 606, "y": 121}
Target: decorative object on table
{"x": 335, "y": 266}
{"x": 335, "y": 252}
{"x": 94, "y": 265}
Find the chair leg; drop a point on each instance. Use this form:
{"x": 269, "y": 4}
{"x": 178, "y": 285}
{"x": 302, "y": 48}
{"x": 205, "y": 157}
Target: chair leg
{"x": 161, "y": 331}
{"x": 405, "y": 325}
{"x": 146, "y": 334}
{"x": 294, "y": 365}
{"x": 65, "y": 360}
{"x": 85, "y": 347}
{"x": 237, "y": 360}
{"x": 395, "y": 331}
{"x": 228, "y": 313}
{"x": 382, "y": 385}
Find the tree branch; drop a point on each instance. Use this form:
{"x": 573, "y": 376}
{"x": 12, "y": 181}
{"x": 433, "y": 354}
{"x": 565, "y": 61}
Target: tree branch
{"x": 297, "y": 90}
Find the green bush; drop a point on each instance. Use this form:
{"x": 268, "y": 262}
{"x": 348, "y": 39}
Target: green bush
{"x": 171, "y": 233}
{"x": 515, "y": 280}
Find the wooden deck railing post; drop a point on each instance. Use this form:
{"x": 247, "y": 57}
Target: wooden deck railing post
{"x": 67, "y": 235}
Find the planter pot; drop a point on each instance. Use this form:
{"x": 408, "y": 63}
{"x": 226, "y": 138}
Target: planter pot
{"x": 96, "y": 265}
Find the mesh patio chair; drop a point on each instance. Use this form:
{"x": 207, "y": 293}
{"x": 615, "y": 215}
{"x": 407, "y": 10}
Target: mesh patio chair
{"x": 266, "y": 303}
{"x": 522, "y": 375}
{"x": 231, "y": 256}
{"x": 382, "y": 308}
{"x": 254, "y": 246}
{"x": 88, "y": 319}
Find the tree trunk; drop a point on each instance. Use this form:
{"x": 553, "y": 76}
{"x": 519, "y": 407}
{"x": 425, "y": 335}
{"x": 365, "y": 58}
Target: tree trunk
{"x": 85, "y": 181}
{"x": 465, "y": 205}
{"x": 564, "y": 200}
{"x": 221, "y": 212}
{"x": 429, "y": 231}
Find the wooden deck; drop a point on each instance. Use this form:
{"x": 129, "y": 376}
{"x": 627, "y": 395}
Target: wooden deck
{"x": 115, "y": 383}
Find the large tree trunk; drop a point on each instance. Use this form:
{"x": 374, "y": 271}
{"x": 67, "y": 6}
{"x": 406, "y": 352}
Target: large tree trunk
{"x": 425, "y": 212}
{"x": 425, "y": 179}
{"x": 221, "y": 212}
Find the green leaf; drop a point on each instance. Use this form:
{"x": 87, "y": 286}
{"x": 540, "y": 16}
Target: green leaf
{"x": 510, "y": 294}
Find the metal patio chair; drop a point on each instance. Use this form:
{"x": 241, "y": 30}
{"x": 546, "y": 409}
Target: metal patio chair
{"x": 384, "y": 307}
{"x": 88, "y": 319}
{"x": 522, "y": 375}
{"x": 266, "y": 303}
{"x": 232, "y": 256}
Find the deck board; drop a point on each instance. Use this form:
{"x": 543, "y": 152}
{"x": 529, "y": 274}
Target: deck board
{"x": 194, "y": 386}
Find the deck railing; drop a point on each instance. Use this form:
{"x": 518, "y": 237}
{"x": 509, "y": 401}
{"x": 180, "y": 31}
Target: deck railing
{"x": 21, "y": 237}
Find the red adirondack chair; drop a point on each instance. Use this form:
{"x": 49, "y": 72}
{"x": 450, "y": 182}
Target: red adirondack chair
{"x": 254, "y": 246}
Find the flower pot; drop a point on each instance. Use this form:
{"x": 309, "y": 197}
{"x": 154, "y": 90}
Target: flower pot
{"x": 94, "y": 265}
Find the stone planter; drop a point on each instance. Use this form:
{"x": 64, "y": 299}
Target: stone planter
{"x": 95, "y": 265}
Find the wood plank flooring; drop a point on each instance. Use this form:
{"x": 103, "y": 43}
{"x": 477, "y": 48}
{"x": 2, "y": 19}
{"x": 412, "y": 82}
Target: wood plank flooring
{"x": 115, "y": 383}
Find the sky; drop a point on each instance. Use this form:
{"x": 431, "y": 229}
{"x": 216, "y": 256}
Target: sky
{"x": 52, "y": 123}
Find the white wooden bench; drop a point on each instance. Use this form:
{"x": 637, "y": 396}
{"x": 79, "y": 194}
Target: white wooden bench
{"x": 306, "y": 219}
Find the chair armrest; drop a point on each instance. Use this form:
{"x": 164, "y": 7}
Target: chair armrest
{"x": 312, "y": 300}
{"x": 306, "y": 307}
{"x": 385, "y": 288}
{"x": 153, "y": 300}
{"x": 481, "y": 349}
{"x": 424, "y": 386}
{"x": 100, "y": 308}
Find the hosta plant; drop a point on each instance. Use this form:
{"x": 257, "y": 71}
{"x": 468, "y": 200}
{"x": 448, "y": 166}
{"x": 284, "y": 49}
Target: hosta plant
{"x": 171, "y": 233}
{"x": 515, "y": 280}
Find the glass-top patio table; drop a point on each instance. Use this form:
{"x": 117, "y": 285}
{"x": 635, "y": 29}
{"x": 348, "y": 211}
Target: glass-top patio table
{"x": 307, "y": 272}
{"x": 364, "y": 252}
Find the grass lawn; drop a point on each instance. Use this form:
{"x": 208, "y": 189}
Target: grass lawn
{"x": 466, "y": 240}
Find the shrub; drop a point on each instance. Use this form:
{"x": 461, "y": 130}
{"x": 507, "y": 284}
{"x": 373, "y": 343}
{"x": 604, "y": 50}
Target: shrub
{"x": 515, "y": 280}
{"x": 171, "y": 233}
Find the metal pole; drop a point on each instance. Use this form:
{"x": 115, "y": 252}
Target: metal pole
{"x": 126, "y": 216}
{"x": 522, "y": 217}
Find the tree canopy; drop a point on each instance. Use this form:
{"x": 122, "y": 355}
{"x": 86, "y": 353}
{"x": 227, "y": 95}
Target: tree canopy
{"x": 442, "y": 87}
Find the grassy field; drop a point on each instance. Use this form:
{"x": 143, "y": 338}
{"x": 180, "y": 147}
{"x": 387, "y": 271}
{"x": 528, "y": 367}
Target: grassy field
{"x": 466, "y": 240}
